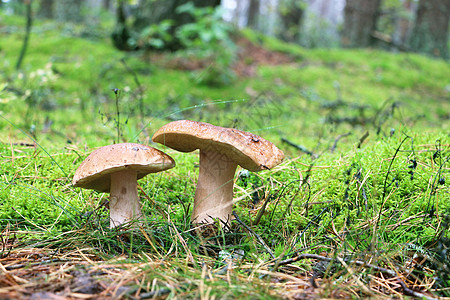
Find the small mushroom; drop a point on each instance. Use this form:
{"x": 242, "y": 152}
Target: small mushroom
{"x": 116, "y": 169}
{"x": 221, "y": 151}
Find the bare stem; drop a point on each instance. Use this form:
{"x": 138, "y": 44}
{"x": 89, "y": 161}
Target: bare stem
{"x": 214, "y": 194}
{"x": 124, "y": 202}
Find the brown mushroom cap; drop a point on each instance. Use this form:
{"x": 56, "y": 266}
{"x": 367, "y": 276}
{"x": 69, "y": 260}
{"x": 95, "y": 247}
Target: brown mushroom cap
{"x": 246, "y": 149}
{"x": 94, "y": 172}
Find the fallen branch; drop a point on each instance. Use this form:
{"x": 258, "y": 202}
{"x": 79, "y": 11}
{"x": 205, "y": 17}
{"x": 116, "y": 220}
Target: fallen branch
{"x": 323, "y": 258}
{"x": 406, "y": 290}
{"x": 28, "y": 265}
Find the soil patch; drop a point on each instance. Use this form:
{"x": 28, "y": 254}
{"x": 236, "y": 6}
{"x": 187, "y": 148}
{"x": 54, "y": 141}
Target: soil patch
{"x": 249, "y": 57}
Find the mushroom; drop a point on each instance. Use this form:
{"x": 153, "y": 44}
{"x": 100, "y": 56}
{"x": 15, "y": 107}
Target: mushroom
{"x": 116, "y": 169}
{"x": 221, "y": 151}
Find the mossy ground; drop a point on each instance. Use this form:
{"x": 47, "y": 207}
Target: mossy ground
{"x": 374, "y": 188}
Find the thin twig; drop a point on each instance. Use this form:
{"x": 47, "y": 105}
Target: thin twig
{"x": 154, "y": 294}
{"x": 356, "y": 278}
{"x": 260, "y": 240}
{"x": 383, "y": 199}
{"x": 306, "y": 228}
{"x": 395, "y": 226}
{"x": 392, "y": 273}
{"x": 48, "y": 261}
{"x": 337, "y": 140}
{"x": 298, "y": 147}
{"x": 261, "y": 211}
{"x": 362, "y": 139}
{"x": 410, "y": 292}
{"x": 189, "y": 255}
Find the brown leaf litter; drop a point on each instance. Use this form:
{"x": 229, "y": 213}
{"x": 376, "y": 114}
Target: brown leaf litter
{"x": 43, "y": 273}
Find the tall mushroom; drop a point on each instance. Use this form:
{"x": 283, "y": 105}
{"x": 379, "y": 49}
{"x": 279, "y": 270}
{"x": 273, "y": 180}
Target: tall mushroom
{"x": 116, "y": 169}
{"x": 221, "y": 151}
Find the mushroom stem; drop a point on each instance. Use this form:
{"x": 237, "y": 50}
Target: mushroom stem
{"x": 214, "y": 194}
{"x": 124, "y": 203}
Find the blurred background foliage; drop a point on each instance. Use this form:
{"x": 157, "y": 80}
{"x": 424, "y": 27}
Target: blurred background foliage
{"x": 396, "y": 25}
{"x": 203, "y": 31}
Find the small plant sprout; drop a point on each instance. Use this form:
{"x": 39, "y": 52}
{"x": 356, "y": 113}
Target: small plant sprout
{"x": 116, "y": 169}
{"x": 221, "y": 151}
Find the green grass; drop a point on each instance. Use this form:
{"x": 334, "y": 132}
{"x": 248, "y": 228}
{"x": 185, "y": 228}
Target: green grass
{"x": 359, "y": 201}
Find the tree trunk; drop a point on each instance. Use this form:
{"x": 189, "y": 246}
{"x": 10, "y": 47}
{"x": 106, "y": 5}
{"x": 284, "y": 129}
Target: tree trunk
{"x": 27, "y": 33}
{"x": 291, "y": 16}
{"x": 46, "y": 9}
{"x": 430, "y": 33}
{"x": 154, "y": 11}
{"x": 121, "y": 33}
{"x": 18, "y": 7}
{"x": 253, "y": 14}
{"x": 360, "y": 18}
{"x": 149, "y": 12}
{"x": 237, "y": 16}
{"x": 106, "y": 4}
{"x": 403, "y": 24}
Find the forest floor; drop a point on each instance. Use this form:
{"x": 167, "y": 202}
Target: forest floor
{"x": 77, "y": 273}
{"x": 359, "y": 208}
